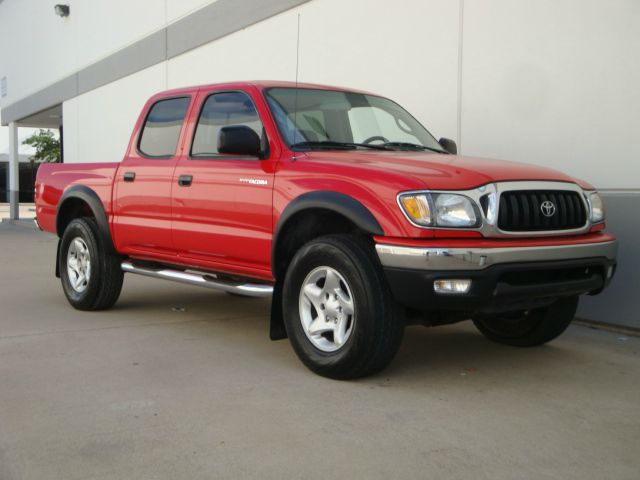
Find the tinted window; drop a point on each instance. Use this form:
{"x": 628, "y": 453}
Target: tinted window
{"x": 162, "y": 128}
{"x": 221, "y": 110}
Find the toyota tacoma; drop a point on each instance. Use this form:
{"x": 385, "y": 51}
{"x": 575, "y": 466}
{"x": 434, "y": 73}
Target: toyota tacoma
{"x": 341, "y": 207}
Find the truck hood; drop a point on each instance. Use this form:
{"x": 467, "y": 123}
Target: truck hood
{"x": 437, "y": 171}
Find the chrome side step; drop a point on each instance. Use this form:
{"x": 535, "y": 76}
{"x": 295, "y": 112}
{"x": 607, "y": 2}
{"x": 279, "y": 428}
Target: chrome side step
{"x": 200, "y": 279}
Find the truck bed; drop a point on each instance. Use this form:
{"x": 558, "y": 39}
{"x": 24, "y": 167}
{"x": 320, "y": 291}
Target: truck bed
{"x": 54, "y": 179}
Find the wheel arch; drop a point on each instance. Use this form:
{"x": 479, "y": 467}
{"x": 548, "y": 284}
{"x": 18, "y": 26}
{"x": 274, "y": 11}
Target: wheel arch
{"x": 77, "y": 200}
{"x": 335, "y": 204}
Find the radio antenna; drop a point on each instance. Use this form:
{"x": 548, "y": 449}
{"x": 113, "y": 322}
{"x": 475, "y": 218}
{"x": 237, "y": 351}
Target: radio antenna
{"x": 295, "y": 104}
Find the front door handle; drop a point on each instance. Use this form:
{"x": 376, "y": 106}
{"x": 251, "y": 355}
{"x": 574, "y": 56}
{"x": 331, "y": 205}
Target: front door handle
{"x": 185, "y": 180}
{"x": 129, "y": 176}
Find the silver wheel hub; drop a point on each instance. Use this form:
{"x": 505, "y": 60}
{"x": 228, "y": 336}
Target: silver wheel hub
{"x": 327, "y": 309}
{"x": 78, "y": 265}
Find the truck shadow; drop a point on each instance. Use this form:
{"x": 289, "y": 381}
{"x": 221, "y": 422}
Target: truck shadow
{"x": 460, "y": 350}
{"x": 194, "y": 300}
{"x": 426, "y": 354}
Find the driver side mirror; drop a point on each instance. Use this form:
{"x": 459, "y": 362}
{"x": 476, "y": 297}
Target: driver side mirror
{"x": 449, "y": 145}
{"x": 239, "y": 140}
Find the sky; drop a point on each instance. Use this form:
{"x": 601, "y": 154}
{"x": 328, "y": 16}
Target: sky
{"x": 23, "y": 134}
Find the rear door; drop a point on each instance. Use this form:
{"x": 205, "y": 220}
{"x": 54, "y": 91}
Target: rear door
{"x": 222, "y": 204}
{"x": 142, "y": 188}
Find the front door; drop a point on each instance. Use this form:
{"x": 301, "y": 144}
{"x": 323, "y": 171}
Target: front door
{"x": 222, "y": 204}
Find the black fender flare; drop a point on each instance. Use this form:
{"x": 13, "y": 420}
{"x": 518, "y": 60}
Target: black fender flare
{"x": 337, "y": 202}
{"x": 91, "y": 198}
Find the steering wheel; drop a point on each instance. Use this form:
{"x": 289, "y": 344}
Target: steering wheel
{"x": 375, "y": 138}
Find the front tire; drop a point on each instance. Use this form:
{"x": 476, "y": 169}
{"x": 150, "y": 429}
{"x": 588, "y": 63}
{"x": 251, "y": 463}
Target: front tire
{"x": 90, "y": 272}
{"x": 338, "y": 311}
{"x": 529, "y": 328}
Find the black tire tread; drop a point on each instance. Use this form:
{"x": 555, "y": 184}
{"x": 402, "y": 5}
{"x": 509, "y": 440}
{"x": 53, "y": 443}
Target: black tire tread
{"x": 384, "y": 343}
{"x": 112, "y": 274}
{"x": 109, "y": 275}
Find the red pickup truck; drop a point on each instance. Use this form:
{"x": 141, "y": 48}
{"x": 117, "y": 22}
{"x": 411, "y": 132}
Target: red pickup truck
{"x": 342, "y": 207}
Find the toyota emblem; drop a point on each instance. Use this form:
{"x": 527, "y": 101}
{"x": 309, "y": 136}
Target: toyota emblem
{"x": 548, "y": 208}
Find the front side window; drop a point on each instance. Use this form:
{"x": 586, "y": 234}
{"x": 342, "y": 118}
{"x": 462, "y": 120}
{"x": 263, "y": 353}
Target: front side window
{"x": 310, "y": 118}
{"x": 162, "y": 127}
{"x": 222, "y": 110}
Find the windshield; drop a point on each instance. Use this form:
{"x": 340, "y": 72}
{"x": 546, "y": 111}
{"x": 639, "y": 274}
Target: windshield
{"x": 326, "y": 119}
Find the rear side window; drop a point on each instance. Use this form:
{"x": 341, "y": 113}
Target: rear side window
{"x": 162, "y": 127}
{"x": 221, "y": 110}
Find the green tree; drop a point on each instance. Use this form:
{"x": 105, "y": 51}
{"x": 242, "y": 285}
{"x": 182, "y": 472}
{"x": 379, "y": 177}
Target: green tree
{"x": 47, "y": 146}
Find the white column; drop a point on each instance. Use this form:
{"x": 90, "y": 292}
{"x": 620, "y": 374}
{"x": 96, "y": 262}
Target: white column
{"x": 14, "y": 178}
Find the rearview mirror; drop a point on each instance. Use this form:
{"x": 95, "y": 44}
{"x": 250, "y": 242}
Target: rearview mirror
{"x": 239, "y": 140}
{"x": 449, "y": 145}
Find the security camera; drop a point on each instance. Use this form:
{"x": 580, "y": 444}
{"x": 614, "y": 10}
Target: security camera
{"x": 61, "y": 10}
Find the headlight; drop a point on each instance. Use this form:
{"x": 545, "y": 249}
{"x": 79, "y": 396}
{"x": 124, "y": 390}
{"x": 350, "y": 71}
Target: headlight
{"x": 454, "y": 211}
{"x": 597, "y": 207}
{"x": 439, "y": 210}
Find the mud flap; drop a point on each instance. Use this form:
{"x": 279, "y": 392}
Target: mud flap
{"x": 58, "y": 258}
{"x": 277, "y": 330}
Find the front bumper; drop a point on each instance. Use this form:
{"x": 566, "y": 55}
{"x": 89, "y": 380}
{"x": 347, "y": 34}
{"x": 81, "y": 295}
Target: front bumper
{"x": 502, "y": 278}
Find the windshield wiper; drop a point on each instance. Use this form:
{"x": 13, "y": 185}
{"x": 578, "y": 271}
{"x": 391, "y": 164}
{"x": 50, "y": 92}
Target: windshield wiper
{"x": 330, "y": 144}
{"x": 410, "y": 146}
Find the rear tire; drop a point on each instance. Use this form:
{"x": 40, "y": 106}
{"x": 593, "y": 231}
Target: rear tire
{"x": 529, "y": 328}
{"x": 90, "y": 271}
{"x": 338, "y": 311}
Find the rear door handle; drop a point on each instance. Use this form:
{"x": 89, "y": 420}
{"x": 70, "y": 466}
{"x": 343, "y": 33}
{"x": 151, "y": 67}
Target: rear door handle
{"x": 185, "y": 180}
{"x": 129, "y": 176}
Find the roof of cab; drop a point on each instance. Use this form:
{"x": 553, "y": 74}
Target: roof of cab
{"x": 260, "y": 84}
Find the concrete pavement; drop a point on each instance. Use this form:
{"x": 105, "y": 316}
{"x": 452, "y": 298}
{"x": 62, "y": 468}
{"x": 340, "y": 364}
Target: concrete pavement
{"x": 181, "y": 383}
